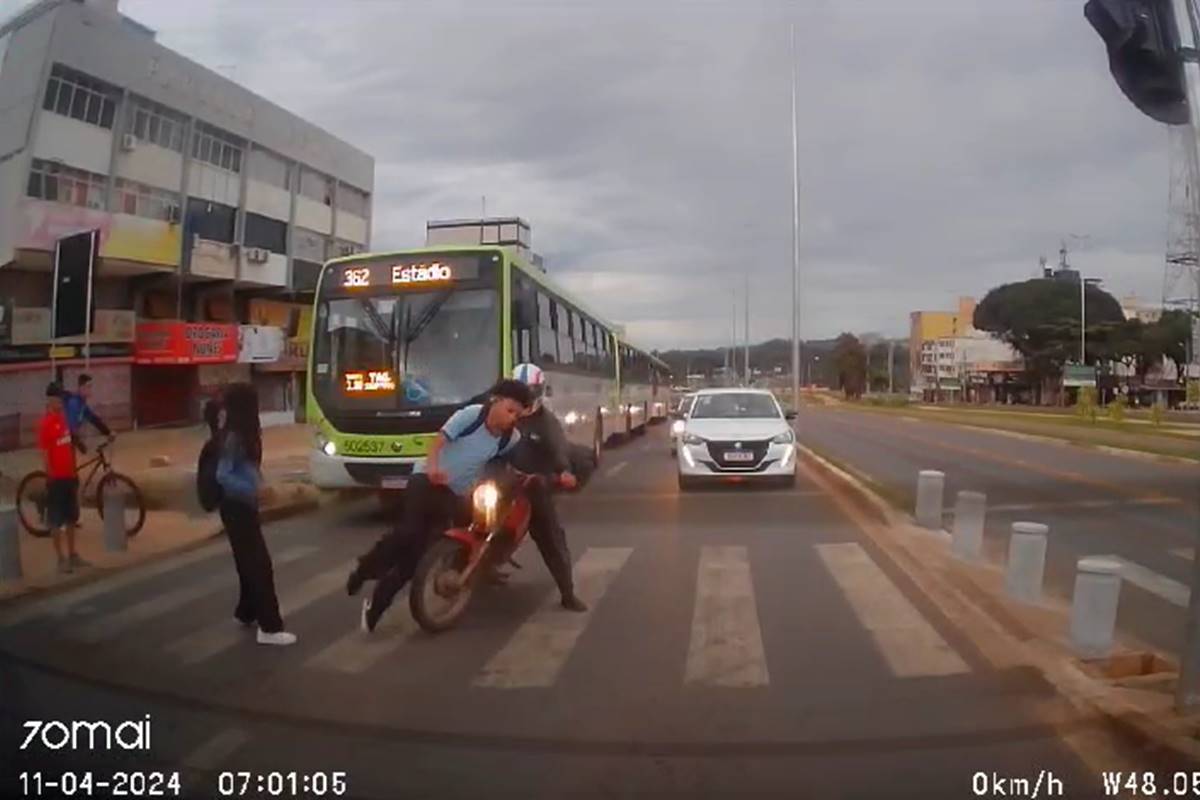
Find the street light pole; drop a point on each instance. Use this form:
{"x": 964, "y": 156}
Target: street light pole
{"x": 746, "y": 326}
{"x": 795, "y": 234}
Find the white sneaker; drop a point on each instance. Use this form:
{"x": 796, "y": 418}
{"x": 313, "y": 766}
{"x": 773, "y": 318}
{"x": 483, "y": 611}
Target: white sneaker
{"x": 280, "y": 638}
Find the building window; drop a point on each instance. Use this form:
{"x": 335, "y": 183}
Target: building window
{"x": 146, "y": 201}
{"x": 216, "y": 148}
{"x": 269, "y": 168}
{"x": 316, "y": 186}
{"x": 265, "y": 232}
{"x": 352, "y": 201}
{"x": 49, "y": 180}
{"x": 80, "y": 97}
{"x": 310, "y": 246}
{"x": 209, "y": 220}
{"x": 157, "y": 125}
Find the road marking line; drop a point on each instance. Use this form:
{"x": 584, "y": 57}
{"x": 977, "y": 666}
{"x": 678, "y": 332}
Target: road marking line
{"x": 615, "y": 469}
{"x": 1147, "y": 579}
{"x": 539, "y": 649}
{"x": 115, "y": 623}
{"x": 907, "y": 641}
{"x": 61, "y": 604}
{"x": 209, "y": 641}
{"x": 1186, "y": 553}
{"x": 212, "y": 752}
{"x": 356, "y": 652}
{"x": 726, "y": 647}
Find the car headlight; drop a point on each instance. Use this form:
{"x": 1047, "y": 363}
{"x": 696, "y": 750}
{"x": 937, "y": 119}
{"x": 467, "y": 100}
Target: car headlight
{"x": 677, "y": 427}
{"x": 485, "y": 497}
{"x": 787, "y": 437}
{"x": 691, "y": 438}
{"x": 571, "y": 418}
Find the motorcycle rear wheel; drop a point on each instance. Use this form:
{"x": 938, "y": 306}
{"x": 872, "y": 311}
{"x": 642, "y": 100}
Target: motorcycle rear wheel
{"x": 432, "y": 608}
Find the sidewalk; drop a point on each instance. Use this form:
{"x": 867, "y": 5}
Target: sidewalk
{"x": 174, "y": 520}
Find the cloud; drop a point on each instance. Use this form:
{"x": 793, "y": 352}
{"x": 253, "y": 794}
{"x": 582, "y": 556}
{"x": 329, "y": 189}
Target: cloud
{"x": 943, "y": 146}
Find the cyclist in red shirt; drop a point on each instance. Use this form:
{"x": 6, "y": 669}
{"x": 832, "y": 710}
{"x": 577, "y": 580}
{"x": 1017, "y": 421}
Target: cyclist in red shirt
{"x": 62, "y": 486}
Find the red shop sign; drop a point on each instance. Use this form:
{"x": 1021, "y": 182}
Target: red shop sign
{"x": 173, "y": 342}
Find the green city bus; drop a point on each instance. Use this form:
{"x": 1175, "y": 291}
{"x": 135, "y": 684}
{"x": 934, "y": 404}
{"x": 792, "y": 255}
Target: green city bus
{"x": 402, "y": 340}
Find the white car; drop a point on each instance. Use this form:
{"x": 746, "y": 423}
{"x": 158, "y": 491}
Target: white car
{"x": 736, "y": 435}
{"x": 679, "y": 419}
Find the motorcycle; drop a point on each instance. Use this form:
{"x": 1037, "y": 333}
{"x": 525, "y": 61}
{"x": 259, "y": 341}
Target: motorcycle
{"x": 452, "y": 567}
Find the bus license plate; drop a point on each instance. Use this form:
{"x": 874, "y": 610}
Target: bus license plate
{"x": 394, "y": 482}
{"x": 736, "y": 455}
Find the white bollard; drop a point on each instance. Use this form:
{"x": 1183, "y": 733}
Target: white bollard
{"x": 930, "y": 485}
{"x": 115, "y": 540}
{"x": 969, "y": 512}
{"x": 1026, "y": 561}
{"x": 10, "y": 545}
{"x": 1094, "y": 605}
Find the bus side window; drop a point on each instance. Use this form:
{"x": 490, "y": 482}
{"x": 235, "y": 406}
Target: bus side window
{"x": 524, "y": 319}
{"x": 566, "y": 350}
{"x": 546, "y": 335}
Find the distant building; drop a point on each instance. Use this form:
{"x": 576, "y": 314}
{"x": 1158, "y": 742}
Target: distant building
{"x": 1134, "y": 307}
{"x": 925, "y": 329}
{"x": 215, "y": 207}
{"x": 510, "y": 233}
{"x": 976, "y": 369}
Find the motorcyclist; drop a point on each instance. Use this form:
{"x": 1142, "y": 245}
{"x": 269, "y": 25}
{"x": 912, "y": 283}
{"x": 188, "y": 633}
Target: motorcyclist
{"x": 543, "y": 450}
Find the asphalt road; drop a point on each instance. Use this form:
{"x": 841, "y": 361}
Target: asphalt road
{"x": 1145, "y": 512}
{"x": 740, "y": 643}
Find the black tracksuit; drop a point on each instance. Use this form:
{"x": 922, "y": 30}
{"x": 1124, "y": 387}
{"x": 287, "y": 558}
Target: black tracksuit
{"x": 542, "y": 450}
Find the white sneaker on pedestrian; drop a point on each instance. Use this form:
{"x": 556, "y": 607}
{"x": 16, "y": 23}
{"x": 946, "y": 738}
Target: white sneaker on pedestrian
{"x": 279, "y": 638}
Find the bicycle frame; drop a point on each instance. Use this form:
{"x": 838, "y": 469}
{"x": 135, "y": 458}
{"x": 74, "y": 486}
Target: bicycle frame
{"x": 98, "y": 463}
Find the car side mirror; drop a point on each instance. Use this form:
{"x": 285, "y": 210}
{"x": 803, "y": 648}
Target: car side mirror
{"x": 789, "y": 415}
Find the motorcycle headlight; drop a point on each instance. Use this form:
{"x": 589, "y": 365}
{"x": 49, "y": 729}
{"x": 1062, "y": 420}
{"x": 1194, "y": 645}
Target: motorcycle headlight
{"x": 677, "y": 427}
{"x": 691, "y": 438}
{"x": 485, "y": 497}
{"x": 787, "y": 437}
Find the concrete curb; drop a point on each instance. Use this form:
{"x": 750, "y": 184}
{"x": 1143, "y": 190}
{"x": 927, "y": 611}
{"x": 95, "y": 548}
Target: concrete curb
{"x": 294, "y": 507}
{"x": 1001, "y": 637}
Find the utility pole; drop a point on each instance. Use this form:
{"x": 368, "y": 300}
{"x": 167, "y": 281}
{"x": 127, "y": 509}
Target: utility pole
{"x": 891, "y": 366}
{"x": 746, "y": 326}
{"x": 732, "y": 344}
{"x": 795, "y": 234}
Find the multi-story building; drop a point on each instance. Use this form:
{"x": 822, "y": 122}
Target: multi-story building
{"x": 215, "y": 209}
{"x": 925, "y": 328}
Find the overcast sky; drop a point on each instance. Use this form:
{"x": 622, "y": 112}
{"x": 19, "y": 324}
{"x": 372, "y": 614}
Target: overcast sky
{"x": 944, "y": 144}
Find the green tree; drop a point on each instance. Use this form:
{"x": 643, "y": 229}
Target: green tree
{"x": 850, "y": 362}
{"x": 1040, "y": 319}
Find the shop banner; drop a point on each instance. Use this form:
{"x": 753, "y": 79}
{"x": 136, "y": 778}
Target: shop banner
{"x": 122, "y": 236}
{"x": 259, "y": 344}
{"x": 174, "y": 342}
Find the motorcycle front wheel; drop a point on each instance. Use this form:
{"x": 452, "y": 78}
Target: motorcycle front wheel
{"x": 436, "y": 600}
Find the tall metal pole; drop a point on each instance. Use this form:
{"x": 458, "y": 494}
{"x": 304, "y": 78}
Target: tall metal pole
{"x": 746, "y": 327}
{"x": 732, "y": 343}
{"x": 891, "y": 367}
{"x": 795, "y": 234}
{"x": 1188, "y": 690}
{"x": 1082, "y": 321}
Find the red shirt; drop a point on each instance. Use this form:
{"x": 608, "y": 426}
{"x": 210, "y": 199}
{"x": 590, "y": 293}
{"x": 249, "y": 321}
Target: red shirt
{"x": 54, "y": 437}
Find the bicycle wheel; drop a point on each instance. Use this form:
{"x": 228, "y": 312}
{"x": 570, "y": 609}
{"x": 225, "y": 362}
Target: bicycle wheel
{"x": 31, "y": 503}
{"x": 135, "y": 506}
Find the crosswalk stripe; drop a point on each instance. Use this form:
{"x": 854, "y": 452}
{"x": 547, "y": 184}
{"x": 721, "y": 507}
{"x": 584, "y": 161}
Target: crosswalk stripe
{"x": 60, "y": 604}
{"x": 211, "y": 640}
{"x": 115, "y": 623}
{"x": 536, "y": 653}
{"x": 212, "y": 752}
{"x": 356, "y": 652}
{"x": 1145, "y": 578}
{"x": 726, "y": 647}
{"x": 907, "y": 641}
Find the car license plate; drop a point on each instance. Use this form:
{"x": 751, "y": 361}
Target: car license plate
{"x": 739, "y": 455}
{"x": 394, "y": 482}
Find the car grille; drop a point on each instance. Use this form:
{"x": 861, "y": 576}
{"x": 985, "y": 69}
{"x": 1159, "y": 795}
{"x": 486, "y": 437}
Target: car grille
{"x": 375, "y": 473}
{"x": 719, "y": 451}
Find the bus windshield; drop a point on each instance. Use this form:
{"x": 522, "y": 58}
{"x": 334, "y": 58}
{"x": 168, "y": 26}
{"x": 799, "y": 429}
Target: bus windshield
{"x": 404, "y": 351}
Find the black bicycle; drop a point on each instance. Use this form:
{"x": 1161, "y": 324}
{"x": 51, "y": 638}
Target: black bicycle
{"x": 32, "y": 494}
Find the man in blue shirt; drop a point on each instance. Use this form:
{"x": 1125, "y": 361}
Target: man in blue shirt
{"x": 440, "y": 492}
{"x": 75, "y": 406}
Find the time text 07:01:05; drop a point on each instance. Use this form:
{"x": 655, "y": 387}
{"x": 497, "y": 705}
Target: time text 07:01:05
{"x": 281, "y": 784}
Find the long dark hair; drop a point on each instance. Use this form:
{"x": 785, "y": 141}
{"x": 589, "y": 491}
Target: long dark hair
{"x": 241, "y": 418}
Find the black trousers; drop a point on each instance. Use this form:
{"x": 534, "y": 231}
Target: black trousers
{"x": 428, "y": 509}
{"x": 256, "y": 576}
{"x": 548, "y": 534}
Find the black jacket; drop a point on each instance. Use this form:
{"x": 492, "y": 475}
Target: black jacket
{"x": 542, "y": 448}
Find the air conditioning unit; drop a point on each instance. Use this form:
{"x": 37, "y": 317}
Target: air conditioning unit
{"x": 257, "y": 255}
{"x": 129, "y": 142}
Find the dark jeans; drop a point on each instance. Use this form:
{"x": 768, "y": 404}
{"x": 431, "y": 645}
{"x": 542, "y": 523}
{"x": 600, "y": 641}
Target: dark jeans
{"x": 548, "y": 534}
{"x": 256, "y": 576}
{"x": 428, "y": 509}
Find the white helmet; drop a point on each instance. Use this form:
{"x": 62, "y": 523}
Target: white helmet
{"x": 532, "y": 376}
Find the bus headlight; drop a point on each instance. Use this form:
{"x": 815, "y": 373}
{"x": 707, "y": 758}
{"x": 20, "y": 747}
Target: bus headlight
{"x": 325, "y": 444}
{"x": 330, "y": 449}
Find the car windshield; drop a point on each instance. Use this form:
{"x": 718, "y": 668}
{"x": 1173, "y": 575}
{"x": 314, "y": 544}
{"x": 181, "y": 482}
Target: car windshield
{"x": 735, "y": 406}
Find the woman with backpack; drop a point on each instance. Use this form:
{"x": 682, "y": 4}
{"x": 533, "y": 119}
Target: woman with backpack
{"x": 239, "y": 478}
